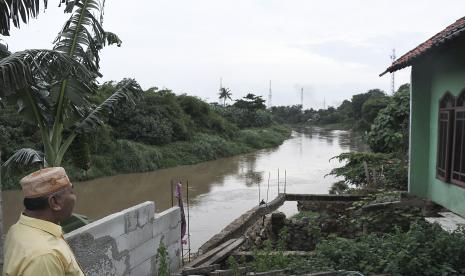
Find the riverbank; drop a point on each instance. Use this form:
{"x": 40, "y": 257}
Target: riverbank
{"x": 132, "y": 157}
{"x": 334, "y": 126}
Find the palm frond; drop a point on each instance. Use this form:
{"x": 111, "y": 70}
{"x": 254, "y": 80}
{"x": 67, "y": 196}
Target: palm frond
{"x": 37, "y": 68}
{"x": 83, "y": 36}
{"x": 4, "y": 52}
{"x": 17, "y": 11}
{"x": 127, "y": 89}
{"x": 24, "y": 158}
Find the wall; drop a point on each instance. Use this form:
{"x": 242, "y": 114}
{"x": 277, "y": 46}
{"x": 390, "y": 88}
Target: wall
{"x": 442, "y": 71}
{"x": 240, "y": 225}
{"x": 126, "y": 243}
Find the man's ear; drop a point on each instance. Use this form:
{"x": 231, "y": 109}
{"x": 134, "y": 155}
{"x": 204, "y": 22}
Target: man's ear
{"x": 54, "y": 203}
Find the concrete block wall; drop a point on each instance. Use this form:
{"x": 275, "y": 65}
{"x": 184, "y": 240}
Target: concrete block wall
{"x": 126, "y": 243}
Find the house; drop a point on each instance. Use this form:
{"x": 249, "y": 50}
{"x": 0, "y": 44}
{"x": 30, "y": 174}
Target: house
{"x": 437, "y": 118}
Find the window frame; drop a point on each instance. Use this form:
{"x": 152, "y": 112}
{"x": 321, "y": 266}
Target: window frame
{"x": 454, "y": 152}
{"x": 450, "y": 110}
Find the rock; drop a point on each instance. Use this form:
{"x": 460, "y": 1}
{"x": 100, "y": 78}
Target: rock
{"x": 278, "y": 220}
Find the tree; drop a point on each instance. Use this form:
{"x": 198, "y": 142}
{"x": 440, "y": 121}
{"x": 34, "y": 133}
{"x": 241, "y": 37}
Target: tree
{"x": 225, "y": 93}
{"x": 370, "y": 110}
{"x": 52, "y": 87}
{"x": 389, "y": 132}
{"x": 359, "y": 99}
{"x": 251, "y": 102}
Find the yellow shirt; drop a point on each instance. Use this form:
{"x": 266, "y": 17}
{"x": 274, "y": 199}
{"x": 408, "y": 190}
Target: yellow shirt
{"x": 37, "y": 247}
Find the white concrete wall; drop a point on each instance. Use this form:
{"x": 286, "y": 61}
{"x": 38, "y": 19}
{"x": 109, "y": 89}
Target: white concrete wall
{"x": 126, "y": 243}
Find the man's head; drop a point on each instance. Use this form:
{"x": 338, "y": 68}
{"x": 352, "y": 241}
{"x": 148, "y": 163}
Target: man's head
{"x": 49, "y": 191}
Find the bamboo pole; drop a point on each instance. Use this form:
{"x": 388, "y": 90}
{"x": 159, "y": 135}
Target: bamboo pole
{"x": 172, "y": 193}
{"x": 285, "y": 181}
{"x": 188, "y": 224}
{"x": 268, "y": 189}
{"x": 278, "y": 181}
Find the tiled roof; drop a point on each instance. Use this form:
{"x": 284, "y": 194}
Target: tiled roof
{"x": 451, "y": 32}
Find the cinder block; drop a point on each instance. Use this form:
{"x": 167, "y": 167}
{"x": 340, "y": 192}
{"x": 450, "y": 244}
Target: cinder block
{"x": 142, "y": 253}
{"x": 174, "y": 253}
{"x": 113, "y": 225}
{"x": 135, "y": 238}
{"x": 146, "y": 215}
{"x": 173, "y": 236}
{"x": 144, "y": 269}
{"x": 168, "y": 218}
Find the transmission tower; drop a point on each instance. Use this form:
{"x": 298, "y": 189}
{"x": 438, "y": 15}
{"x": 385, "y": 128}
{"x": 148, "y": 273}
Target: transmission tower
{"x": 269, "y": 97}
{"x": 393, "y": 85}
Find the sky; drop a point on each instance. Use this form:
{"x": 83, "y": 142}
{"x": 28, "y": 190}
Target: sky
{"x": 331, "y": 49}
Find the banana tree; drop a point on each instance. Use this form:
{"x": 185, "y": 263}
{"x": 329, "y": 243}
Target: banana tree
{"x": 52, "y": 87}
{"x": 19, "y": 10}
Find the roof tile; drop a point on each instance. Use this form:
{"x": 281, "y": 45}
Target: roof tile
{"x": 452, "y": 31}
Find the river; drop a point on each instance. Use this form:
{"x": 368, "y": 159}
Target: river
{"x": 219, "y": 190}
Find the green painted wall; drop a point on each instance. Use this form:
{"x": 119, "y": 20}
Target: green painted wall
{"x": 431, "y": 78}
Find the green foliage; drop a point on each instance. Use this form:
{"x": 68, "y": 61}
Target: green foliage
{"x": 423, "y": 250}
{"x": 163, "y": 260}
{"x": 419, "y": 249}
{"x": 268, "y": 259}
{"x": 370, "y": 110}
{"x": 288, "y": 114}
{"x": 158, "y": 119}
{"x": 233, "y": 265}
{"x": 389, "y": 132}
{"x": 372, "y": 170}
{"x": 250, "y": 102}
{"x": 80, "y": 152}
{"x": 359, "y": 100}
{"x": 52, "y": 87}
{"x": 204, "y": 117}
{"x": 245, "y": 118}
{"x": 16, "y": 133}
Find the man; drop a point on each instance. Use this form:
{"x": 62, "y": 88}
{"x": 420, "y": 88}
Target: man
{"x": 35, "y": 244}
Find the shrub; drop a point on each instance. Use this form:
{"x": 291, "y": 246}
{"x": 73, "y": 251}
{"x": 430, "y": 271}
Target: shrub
{"x": 372, "y": 170}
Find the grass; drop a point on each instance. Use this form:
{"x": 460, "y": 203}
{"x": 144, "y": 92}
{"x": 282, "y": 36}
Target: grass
{"x": 137, "y": 157}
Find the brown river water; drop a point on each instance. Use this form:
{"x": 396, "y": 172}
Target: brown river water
{"x": 220, "y": 190}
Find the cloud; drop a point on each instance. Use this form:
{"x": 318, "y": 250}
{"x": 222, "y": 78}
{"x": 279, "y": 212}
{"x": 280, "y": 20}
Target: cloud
{"x": 333, "y": 48}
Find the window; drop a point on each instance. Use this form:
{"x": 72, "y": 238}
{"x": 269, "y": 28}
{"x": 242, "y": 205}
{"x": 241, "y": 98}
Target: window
{"x": 446, "y": 113}
{"x": 450, "y": 160}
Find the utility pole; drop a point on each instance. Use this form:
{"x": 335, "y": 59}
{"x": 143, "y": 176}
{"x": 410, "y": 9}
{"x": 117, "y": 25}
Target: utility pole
{"x": 393, "y": 58}
{"x": 269, "y": 96}
{"x": 324, "y": 102}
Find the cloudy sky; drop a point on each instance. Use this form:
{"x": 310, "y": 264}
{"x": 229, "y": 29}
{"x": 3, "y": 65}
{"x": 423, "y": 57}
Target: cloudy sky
{"x": 333, "y": 49}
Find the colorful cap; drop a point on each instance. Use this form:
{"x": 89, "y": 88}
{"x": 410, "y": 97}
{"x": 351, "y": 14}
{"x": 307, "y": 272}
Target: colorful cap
{"x": 44, "y": 182}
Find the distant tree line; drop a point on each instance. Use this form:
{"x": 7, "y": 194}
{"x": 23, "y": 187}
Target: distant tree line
{"x": 357, "y": 113}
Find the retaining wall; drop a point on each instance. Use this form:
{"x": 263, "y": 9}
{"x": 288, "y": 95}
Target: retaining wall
{"x": 126, "y": 243}
{"x": 238, "y": 227}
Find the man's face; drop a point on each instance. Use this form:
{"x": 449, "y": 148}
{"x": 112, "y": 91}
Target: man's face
{"x": 65, "y": 201}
